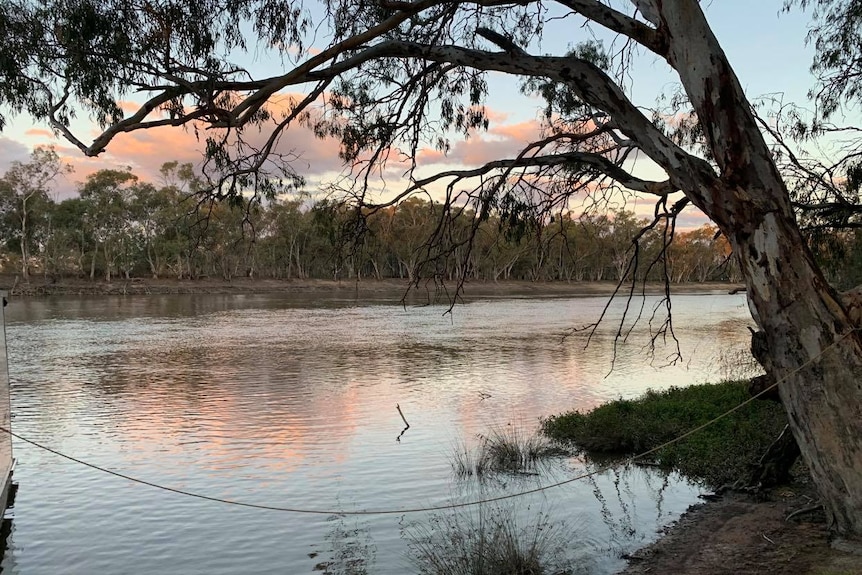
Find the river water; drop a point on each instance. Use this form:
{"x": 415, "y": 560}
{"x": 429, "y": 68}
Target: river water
{"x": 291, "y": 402}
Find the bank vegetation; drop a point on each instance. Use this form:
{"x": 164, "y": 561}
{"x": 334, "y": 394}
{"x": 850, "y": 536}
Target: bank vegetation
{"x": 118, "y": 226}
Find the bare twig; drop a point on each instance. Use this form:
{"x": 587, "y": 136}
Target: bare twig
{"x": 406, "y": 425}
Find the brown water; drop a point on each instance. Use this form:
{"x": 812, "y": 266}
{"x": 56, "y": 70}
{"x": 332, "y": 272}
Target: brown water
{"x": 291, "y": 403}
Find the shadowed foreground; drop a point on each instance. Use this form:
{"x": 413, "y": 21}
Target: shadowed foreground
{"x": 738, "y": 535}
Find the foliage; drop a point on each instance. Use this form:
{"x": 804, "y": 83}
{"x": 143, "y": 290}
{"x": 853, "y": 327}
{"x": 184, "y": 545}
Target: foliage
{"x": 121, "y": 227}
{"x": 718, "y": 454}
{"x": 840, "y": 256}
{"x": 487, "y": 541}
{"x": 25, "y": 202}
{"x": 836, "y": 37}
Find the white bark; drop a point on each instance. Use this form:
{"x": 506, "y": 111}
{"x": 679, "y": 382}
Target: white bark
{"x": 814, "y": 351}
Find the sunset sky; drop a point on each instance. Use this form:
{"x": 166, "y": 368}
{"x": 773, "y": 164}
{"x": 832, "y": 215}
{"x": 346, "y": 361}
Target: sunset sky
{"x": 766, "y": 47}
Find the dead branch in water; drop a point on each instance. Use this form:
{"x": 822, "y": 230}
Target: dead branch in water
{"x": 406, "y": 425}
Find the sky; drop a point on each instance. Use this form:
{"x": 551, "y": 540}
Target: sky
{"x": 765, "y": 46}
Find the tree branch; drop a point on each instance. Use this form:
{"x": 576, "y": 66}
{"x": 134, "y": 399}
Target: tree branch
{"x": 618, "y": 22}
{"x": 591, "y": 84}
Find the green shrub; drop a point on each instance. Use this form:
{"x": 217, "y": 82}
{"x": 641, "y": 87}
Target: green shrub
{"x": 718, "y": 454}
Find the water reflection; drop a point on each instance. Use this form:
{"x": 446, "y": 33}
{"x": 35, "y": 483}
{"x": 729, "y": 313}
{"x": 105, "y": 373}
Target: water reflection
{"x": 276, "y": 401}
{"x": 348, "y": 550}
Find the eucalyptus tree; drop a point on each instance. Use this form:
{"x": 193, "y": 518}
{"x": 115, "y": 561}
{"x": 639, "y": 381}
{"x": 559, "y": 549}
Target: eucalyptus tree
{"x": 498, "y": 250}
{"x": 412, "y": 224}
{"x": 107, "y": 197}
{"x": 397, "y": 75}
{"x": 156, "y": 216}
{"x": 183, "y": 226}
{"x": 283, "y": 239}
{"x": 594, "y": 248}
{"x": 70, "y": 240}
{"x": 696, "y": 255}
{"x": 25, "y": 200}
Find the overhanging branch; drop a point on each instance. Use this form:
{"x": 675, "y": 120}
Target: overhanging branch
{"x": 584, "y": 78}
{"x": 620, "y": 23}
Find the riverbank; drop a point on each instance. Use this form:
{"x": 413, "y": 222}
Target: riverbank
{"x": 741, "y": 535}
{"x": 394, "y": 288}
{"x": 771, "y": 531}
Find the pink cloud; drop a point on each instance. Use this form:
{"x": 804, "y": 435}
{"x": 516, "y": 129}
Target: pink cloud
{"x": 521, "y": 132}
{"x": 145, "y": 151}
{"x": 39, "y": 133}
{"x": 500, "y": 141}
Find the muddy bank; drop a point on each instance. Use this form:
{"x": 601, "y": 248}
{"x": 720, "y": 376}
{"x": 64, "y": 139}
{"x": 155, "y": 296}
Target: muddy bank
{"x": 739, "y": 534}
{"x": 390, "y": 288}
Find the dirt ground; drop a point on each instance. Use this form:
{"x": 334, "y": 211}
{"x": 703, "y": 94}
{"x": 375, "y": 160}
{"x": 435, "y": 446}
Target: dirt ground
{"x": 39, "y": 286}
{"x": 742, "y": 534}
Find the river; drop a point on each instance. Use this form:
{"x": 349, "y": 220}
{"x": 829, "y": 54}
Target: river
{"x": 290, "y": 402}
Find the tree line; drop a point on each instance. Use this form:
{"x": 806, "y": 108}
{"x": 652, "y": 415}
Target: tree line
{"x": 119, "y": 226}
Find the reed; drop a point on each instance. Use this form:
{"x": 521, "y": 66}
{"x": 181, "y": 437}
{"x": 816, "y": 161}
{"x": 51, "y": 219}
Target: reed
{"x": 505, "y": 449}
{"x": 490, "y": 540}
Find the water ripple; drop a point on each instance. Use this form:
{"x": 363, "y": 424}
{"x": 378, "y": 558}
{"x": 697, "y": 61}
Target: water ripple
{"x": 289, "y": 402}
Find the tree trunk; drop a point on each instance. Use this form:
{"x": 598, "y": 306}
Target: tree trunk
{"x": 93, "y": 263}
{"x": 818, "y": 365}
{"x": 774, "y": 467}
{"x": 815, "y": 353}
{"x": 154, "y": 268}
{"x": 25, "y": 264}
{"x": 108, "y": 262}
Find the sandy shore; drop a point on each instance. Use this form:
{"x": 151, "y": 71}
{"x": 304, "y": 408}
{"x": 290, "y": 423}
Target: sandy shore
{"x": 743, "y": 534}
{"x": 379, "y": 288}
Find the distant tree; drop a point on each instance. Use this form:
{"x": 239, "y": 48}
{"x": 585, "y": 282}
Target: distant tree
{"x": 70, "y": 240}
{"x": 695, "y": 255}
{"x": 106, "y": 195}
{"x": 25, "y": 200}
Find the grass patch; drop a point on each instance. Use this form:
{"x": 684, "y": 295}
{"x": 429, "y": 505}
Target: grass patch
{"x": 719, "y": 454}
{"x": 506, "y": 449}
{"x": 486, "y": 541}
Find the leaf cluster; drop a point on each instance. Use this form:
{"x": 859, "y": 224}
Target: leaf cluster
{"x": 59, "y": 57}
{"x": 836, "y": 34}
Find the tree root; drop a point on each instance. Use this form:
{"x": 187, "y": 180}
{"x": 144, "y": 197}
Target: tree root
{"x": 774, "y": 467}
{"x": 804, "y": 511}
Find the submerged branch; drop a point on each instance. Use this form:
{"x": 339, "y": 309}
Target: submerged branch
{"x": 406, "y": 425}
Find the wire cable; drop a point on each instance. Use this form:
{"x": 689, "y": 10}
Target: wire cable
{"x": 409, "y": 510}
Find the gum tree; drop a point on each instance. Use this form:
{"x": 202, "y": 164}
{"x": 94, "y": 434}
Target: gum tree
{"x": 393, "y": 76}
{"x": 25, "y": 200}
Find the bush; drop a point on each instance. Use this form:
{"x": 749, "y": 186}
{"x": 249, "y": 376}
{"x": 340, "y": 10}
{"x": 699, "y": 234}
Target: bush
{"x": 718, "y": 454}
